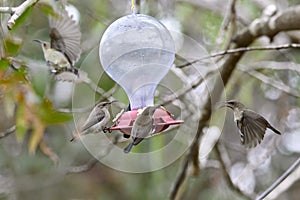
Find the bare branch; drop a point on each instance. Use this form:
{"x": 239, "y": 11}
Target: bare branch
{"x": 263, "y": 48}
{"x": 242, "y": 49}
{"x": 284, "y": 21}
{"x": 272, "y": 82}
{"x": 291, "y": 169}
{"x": 226, "y": 164}
{"x": 48, "y": 152}
{"x": 103, "y": 93}
{"x": 9, "y": 10}
{"x": 229, "y": 19}
{"x": 82, "y": 168}
{"x": 18, "y": 11}
{"x": 188, "y": 157}
{"x": 273, "y": 65}
{"x": 93, "y": 161}
{"x": 179, "y": 179}
{"x": 183, "y": 91}
{"x": 7, "y": 131}
{"x": 74, "y": 110}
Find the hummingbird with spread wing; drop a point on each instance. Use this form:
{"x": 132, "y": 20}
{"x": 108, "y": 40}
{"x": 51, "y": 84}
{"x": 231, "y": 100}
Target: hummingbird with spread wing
{"x": 252, "y": 125}
{"x": 64, "y": 48}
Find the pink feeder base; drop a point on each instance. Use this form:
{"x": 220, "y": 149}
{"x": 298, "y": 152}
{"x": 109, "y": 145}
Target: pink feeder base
{"x": 162, "y": 120}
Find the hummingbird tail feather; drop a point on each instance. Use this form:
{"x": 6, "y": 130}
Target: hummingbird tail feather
{"x": 75, "y": 137}
{"x": 274, "y": 130}
{"x": 128, "y": 148}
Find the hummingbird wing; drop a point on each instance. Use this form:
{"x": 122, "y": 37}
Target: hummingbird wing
{"x": 95, "y": 117}
{"x": 252, "y": 127}
{"x": 65, "y": 36}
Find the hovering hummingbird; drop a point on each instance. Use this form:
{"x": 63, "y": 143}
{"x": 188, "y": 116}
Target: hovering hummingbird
{"x": 96, "y": 121}
{"x": 142, "y": 126}
{"x": 64, "y": 49}
{"x": 252, "y": 125}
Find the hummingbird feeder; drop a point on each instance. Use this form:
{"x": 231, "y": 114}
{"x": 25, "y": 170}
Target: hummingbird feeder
{"x": 137, "y": 51}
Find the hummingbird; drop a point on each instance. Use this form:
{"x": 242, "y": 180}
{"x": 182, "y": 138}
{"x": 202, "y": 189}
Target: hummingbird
{"x": 63, "y": 50}
{"x": 252, "y": 125}
{"x": 142, "y": 126}
{"x": 96, "y": 121}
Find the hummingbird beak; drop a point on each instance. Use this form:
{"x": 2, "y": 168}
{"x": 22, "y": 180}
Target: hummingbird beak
{"x": 38, "y": 41}
{"x": 112, "y": 101}
{"x": 157, "y": 106}
{"x": 109, "y": 103}
{"x": 223, "y": 104}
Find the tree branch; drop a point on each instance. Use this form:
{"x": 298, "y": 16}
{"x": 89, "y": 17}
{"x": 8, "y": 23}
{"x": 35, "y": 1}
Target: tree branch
{"x": 7, "y": 131}
{"x": 284, "y": 21}
{"x": 272, "y": 82}
{"x": 93, "y": 161}
{"x": 188, "y": 157}
{"x": 263, "y": 48}
{"x": 273, "y": 65}
{"x": 49, "y": 152}
{"x": 18, "y": 11}
{"x": 103, "y": 93}
{"x": 9, "y": 10}
{"x": 181, "y": 176}
{"x": 229, "y": 19}
{"x": 292, "y": 168}
{"x": 242, "y": 49}
{"x": 226, "y": 164}
{"x": 184, "y": 91}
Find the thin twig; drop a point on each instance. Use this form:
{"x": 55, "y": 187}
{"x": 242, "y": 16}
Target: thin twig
{"x": 263, "y": 48}
{"x": 188, "y": 157}
{"x": 230, "y": 18}
{"x": 184, "y": 91}
{"x": 48, "y": 152}
{"x": 7, "y": 131}
{"x": 276, "y": 84}
{"x": 83, "y": 168}
{"x": 273, "y": 65}
{"x": 180, "y": 178}
{"x": 103, "y": 93}
{"x": 74, "y": 110}
{"x": 93, "y": 161}
{"x": 242, "y": 49}
{"x": 292, "y": 168}
{"x": 9, "y": 10}
{"x": 225, "y": 164}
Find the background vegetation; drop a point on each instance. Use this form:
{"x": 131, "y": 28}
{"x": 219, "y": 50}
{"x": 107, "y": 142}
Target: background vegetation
{"x": 37, "y": 161}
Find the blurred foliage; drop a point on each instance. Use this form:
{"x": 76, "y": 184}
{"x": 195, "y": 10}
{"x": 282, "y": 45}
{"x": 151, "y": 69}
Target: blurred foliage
{"x": 30, "y": 98}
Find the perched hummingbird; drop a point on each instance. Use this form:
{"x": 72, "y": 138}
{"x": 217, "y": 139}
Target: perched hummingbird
{"x": 64, "y": 49}
{"x": 96, "y": 121}
{"x": 142, "y": 126}
{"x": 252, "y": 125}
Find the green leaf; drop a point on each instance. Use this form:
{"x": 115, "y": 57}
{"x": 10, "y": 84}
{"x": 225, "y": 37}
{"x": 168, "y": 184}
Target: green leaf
{"x": 49, "y": 115}
{"x": 21, "y": 73}
{"x": 22, "y": 124}
{"x": 47, "y": 8}
{"x": 12, "y": 45}
{"x": 36, "y": 135}
{"x": 4, "y": 64}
